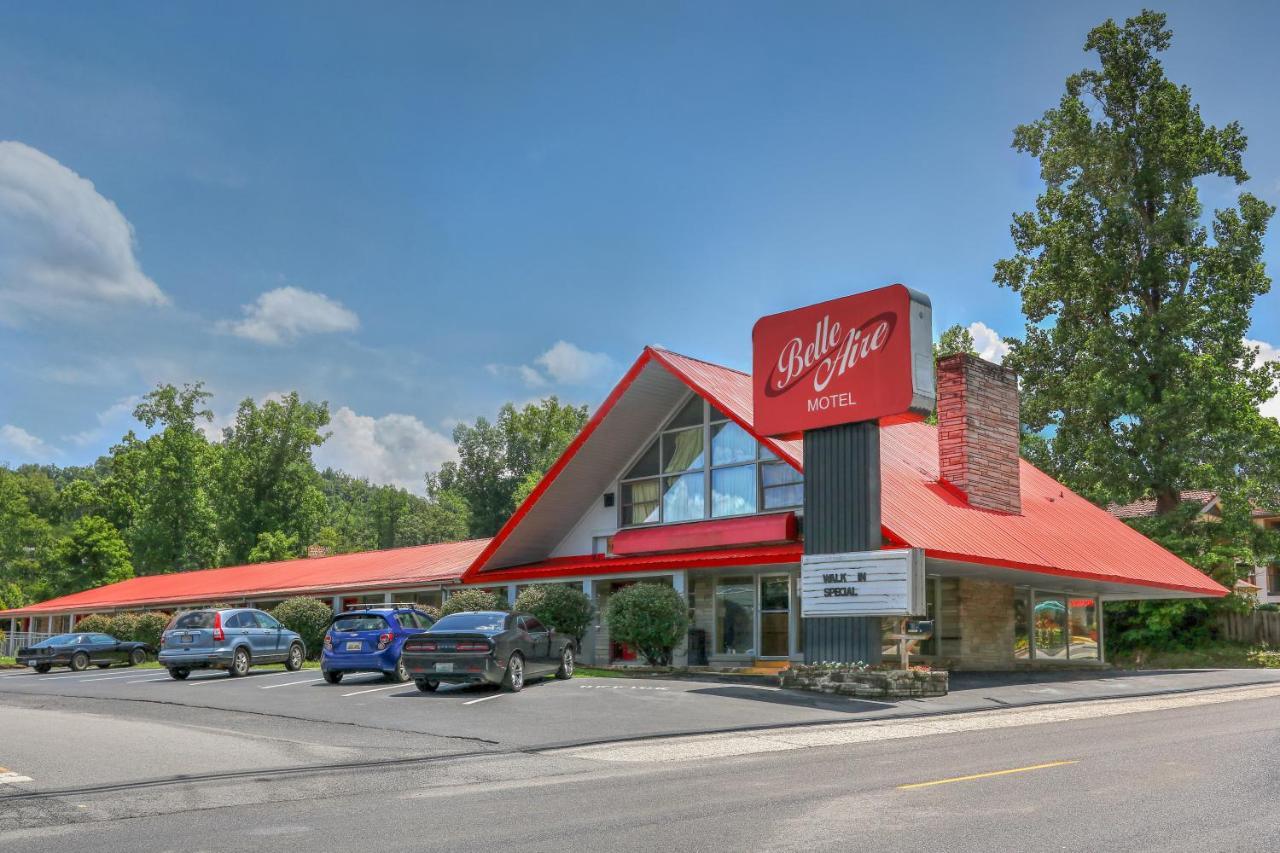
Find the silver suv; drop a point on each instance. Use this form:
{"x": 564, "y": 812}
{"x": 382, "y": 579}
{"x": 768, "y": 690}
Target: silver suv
{"x": 233, "y": 639}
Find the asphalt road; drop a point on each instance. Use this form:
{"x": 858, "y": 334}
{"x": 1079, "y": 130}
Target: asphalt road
{"x": 1193, "y": 772}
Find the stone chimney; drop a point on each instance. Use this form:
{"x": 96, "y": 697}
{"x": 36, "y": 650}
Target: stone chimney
{"x": 978, "y": 431}
{"x": 314, "y": 551}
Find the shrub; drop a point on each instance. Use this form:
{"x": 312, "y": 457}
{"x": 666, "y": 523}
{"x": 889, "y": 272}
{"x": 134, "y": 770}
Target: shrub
{"x": 309, "y": 617}
{"x": 564, "y": 608}
{"x": 463, "y": 600}
{"x": 96, "y": 623}
{"x": 150, "y": 626}
{"x": 124, "y": 626}
{"x": 650, "y": 618}
{"x": 433, "y": 612}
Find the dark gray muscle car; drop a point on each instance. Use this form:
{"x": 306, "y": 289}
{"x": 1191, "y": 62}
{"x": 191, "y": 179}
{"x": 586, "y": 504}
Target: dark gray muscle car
{"x": 490, "y": 647}
{"x": 78, "y": 651}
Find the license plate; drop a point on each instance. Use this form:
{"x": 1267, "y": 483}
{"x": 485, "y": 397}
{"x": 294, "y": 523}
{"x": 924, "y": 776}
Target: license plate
{"x": 444, "y": 667}
{"x": 32, "y": 662}
{"x": 186, "y": 638}
{"x": 354, "y": 646}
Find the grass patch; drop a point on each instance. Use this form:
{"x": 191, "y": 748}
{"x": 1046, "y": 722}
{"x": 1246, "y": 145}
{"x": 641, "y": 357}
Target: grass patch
{"x": 593, "y": 672}
{"x": 1210, "y": 656}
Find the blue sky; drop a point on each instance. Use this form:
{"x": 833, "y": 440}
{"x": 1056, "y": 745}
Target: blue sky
{"x": 420, "y": 211}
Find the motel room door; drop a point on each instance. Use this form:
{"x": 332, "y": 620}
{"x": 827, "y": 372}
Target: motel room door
{"x": 775, "y": 616}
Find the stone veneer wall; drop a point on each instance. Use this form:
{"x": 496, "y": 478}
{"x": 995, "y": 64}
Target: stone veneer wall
{"x": 847, "y": 680}
{"x": 985, "y": 610}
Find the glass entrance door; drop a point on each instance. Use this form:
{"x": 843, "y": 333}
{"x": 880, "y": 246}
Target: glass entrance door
{"x": 775, "y": 616}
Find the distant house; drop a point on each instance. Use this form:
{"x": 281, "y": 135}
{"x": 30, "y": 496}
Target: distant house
{"x": 1264, "y": 581}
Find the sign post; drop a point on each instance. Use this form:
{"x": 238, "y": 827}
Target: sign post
{"x": 830, "y": 372}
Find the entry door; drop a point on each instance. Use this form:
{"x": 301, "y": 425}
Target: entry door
{"x": 775, "y": 616}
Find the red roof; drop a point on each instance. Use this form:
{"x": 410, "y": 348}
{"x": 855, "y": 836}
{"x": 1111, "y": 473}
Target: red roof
{"x": 397, "y": 567}
{"x": 1057, "y": 532}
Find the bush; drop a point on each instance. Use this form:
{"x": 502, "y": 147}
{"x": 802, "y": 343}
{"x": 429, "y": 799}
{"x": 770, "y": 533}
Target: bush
{"x": 309, "y": 617}
{"x": 124, "y": 626}
{"x": 564, "y": 608}
{"x": 650, "y": 618}
{"x": 96, "y": 623}
{"x": 433, "y": 612}
{"x": 463, "y": 600}
{"x": 149, "y": 627}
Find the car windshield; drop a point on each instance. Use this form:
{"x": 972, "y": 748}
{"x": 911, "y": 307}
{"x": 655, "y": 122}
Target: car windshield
{"x": 194, "y": 619}
{"x": 360, "y": 622}
{"x": 59, "y": 640}
{"x": 471, "y": 622}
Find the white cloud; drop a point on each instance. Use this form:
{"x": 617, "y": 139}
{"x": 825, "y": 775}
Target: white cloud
{"x": 63, "y": 247}
{"x": 988, "y": 342}
{"x": 1268, "y": 352}
{"x": 564, "y": 364}
{"x": 394, "y": 449}
{"x": 113, "y": 422}
{"x": 16, "y": 442}
{"x": 287, "y": 313}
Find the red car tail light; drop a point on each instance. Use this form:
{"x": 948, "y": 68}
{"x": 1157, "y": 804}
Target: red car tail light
{"x": 423, "y": 646}
{"x": 473, "y": 647}
{"x": 384, "y": 640}
{"x": 217, "y": 627}
{"x": 328, "y": 642}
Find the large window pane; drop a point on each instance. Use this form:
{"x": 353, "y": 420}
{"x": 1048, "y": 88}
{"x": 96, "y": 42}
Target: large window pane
{"x": 690, "y": 415}
{"x": 783, "y": 485}
{"x": 640, "y": 502}
{"x": 682, "y": 451}
{"x": 735, "y": 616}
{"x": 733, "y": 490}
{"x": 1084, "y": 629}
{"x": 731, "y": 443}
{"x": 1021, "y": 626}
{"x": 683, "y": 499}
{"x": 1050, "y": 619}
{"x": 646, "y": 465}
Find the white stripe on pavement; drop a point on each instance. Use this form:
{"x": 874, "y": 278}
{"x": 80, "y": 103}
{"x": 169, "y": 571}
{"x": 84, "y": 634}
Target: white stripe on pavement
{"x": 484, "y": 699}
{"x": 375, "y": 689}
{"x": 149, "y": 680}
{"x": 290, "y": 684}
{"x": 112, "y": 677}
{"x": 8, "y": 777}
{"x": 224, "y": 678}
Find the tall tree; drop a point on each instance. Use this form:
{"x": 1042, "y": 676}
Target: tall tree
{"x": 175, "y": 525}
{"x": 1134, "y": 364}
{"x": 25, "y": 539}
{"x": 954, "y": 340}
{"x": 497, "y": 461}
{"x": 92, "y": 554}
{"x": 266, "y": 482}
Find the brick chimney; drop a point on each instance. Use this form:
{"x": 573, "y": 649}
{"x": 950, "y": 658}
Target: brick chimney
{"x": 978, "y": 431}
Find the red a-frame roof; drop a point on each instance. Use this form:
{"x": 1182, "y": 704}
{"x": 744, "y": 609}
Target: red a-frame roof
{"x": 1057, "y": 532}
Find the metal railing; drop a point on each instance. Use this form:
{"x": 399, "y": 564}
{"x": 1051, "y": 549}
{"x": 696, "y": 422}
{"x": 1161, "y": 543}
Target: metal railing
{"x": 18, "y": 639}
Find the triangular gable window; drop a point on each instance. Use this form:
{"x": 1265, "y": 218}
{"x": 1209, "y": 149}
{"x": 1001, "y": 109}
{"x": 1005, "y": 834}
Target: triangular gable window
{"x": 674, "y": 480}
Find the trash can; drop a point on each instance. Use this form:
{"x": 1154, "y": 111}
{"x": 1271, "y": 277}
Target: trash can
{"x": 697, "y": 647}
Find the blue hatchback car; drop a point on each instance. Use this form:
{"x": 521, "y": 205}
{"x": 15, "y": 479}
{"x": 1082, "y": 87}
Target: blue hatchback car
{"x": 370, "y": 639}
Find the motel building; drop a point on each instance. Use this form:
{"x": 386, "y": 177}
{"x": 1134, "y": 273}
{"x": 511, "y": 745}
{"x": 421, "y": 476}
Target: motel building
{"x": 669, "y": 483}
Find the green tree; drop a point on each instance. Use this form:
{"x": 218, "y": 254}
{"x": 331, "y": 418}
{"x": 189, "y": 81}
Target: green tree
{"x": 1134, "y": 356}
{"x": 175, "y": 527}
{"x": 564, "y": 608}
{"x": 953, "y": 340}
{"x": 266, "y": 481}
{"x": 1136, "y": 378}
{"x": 650, "y": 618}
{"x": 92, "y": 554}
{"x": 25, "y": 541}
{"x": 272, "y": 547}
{"x": 498, "y": 461}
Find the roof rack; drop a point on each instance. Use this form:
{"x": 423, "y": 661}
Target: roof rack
{"x": 389, "y": 605}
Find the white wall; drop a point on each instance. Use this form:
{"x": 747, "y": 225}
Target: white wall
{"x": 597, "y": 521}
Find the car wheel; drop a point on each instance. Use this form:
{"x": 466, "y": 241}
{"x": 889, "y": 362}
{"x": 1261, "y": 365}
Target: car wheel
{"x": 332, "y": 677}
{"x": 79, "y": 662}
{"x": 400, "y": 674}
{"x": 566, "y": 663}
{"x": 514, "y": 679}
{"x": 427, "y": 685}
{"x": 137, "y": 657}
{"x": 294, "y": 662}
{"x": 239, "y": 663}
{"x": 42, "y": 667}
{"x": 179, "y": 673}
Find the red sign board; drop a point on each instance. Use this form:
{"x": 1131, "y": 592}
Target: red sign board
{"x": 858, "y": 358}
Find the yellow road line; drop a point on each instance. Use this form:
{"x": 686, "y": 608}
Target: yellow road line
{"x": 985, "y": 775}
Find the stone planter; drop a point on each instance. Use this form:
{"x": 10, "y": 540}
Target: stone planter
{"x": 862, "y": 683}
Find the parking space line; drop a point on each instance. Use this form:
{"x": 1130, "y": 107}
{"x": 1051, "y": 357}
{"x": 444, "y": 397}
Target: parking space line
{"x": 484, "y": 699}
{"x": 149, "y": 680}
{"x": 8, "y": 777}
{"x": 374, "y": 690}
{"x": 224, "y": 678}
{"x": 290, "y": 684}
{"x": 106, "y": 677}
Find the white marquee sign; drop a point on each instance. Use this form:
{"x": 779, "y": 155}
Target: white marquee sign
{"x": 863, "y": 583}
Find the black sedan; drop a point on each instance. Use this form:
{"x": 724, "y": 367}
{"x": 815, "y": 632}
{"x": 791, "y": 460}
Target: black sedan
{"x": 488, "y": 647}
{"x": 77, "y": 651}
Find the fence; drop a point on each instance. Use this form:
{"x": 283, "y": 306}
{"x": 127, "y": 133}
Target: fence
{"x": 18, "y": 639}
{"x": 1254, "y": 627}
